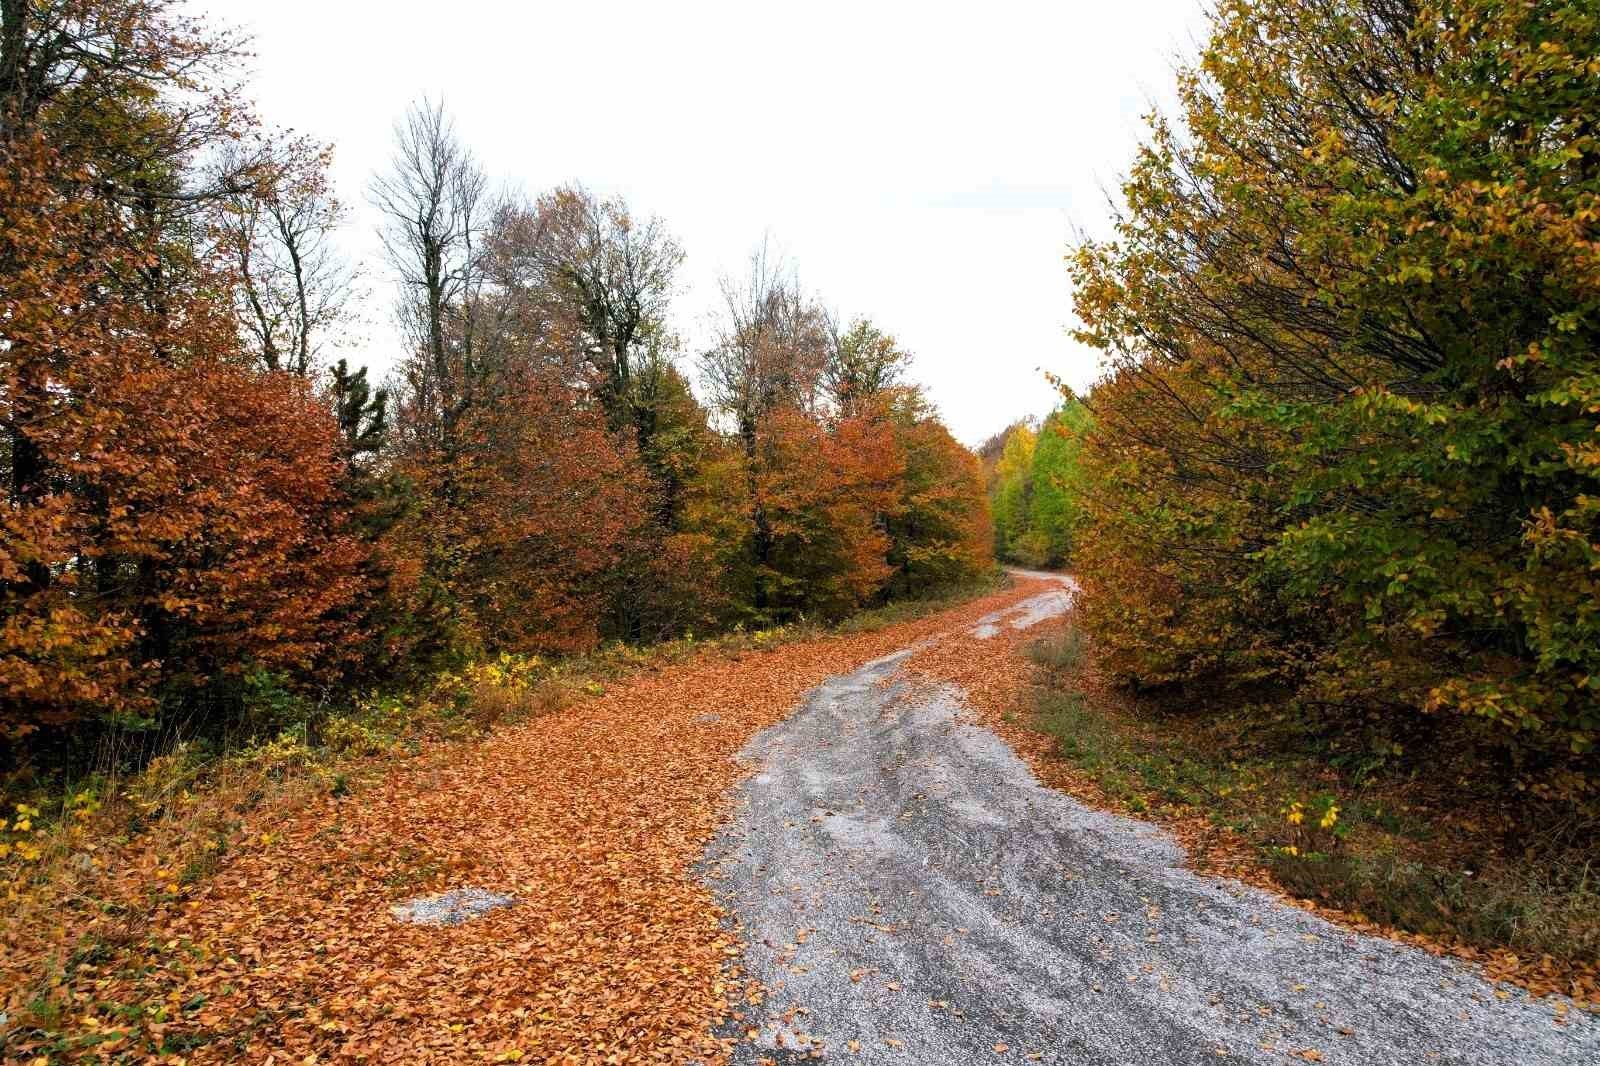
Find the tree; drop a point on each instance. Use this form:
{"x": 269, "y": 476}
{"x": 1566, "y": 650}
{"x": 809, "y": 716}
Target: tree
{"x": 617, "y": 274}
{"x": 939, "y": 527}
{"x": 1012, "y": 494}
{"x": 822, "y": 491}
{"x": 595, "y": 282}
{"x": 765, "y": 365}
{"x": 436, "y": 206}
{"x": 863, "y": 362}
{"x": 771, "y": 349}
{"x": 523, "y": 504}
{"x": 1057, "y": 480}
{"x": 361, "y": 412}
{"x": 174, "y": 515}
{"x": 292, "y": 287}
{"x": 1351, "y": 310}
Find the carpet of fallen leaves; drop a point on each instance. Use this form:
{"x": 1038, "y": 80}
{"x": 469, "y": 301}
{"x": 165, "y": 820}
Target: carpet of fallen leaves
{"x": 593, "y": 818}
{"x": 998, "y": 679}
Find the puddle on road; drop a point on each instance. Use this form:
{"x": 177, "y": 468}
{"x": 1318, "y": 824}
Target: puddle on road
{"x": 1029, "y": 612}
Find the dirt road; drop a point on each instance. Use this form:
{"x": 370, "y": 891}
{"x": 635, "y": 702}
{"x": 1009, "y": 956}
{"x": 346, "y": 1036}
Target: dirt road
{"x": 909, "y": 893}
{"x": 892, "y": 874}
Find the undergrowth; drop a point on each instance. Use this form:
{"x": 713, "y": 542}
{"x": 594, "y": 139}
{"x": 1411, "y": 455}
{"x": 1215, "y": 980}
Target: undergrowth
{"x": 1393, "y": 844}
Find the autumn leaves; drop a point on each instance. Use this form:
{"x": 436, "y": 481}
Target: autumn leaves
{"x": 209, "y": 525}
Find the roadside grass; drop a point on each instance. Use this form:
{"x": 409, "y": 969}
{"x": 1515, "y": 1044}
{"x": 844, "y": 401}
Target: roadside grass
{"x": 1399, "y": 850}
{"x": 1061, "y": 652}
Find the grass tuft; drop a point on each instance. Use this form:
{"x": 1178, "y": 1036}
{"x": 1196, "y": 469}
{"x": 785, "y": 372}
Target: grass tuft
{"x": 1062, "y": 652}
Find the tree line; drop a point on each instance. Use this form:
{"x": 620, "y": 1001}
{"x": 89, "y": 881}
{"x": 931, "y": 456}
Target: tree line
{"x": 1347, "y": 457}
{"x": 204, "y": 504}
{"x": 1034, "y": 477}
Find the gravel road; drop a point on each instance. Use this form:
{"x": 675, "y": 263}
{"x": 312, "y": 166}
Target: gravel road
{"x": 911, "y": 894}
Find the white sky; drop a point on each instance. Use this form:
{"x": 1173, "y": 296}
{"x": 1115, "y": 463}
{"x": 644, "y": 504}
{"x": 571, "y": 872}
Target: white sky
{"x": 922, "y": 164}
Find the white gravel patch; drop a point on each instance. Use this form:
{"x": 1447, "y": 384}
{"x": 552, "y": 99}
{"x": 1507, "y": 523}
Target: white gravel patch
{"x": 450, "y": 908}
{"x": 1025, "y": 614}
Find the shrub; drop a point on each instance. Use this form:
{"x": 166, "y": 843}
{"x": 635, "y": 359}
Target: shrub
{"x": 1348, "y": 449}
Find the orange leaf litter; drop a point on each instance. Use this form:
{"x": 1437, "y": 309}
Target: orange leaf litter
{"x": 593, "y": 818}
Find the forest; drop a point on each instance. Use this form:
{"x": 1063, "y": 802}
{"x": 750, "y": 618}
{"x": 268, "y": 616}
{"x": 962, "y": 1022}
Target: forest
{"x": 624, "y": 653}
{"x": 1034, "y": 476}
{"x": 216, "y": 528}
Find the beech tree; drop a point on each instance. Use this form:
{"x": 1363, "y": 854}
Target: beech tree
{"x": 771, "y": 348}
{"x": 766, "y": 364}
{"x": 1348, "y": 444}
{"x": 523, "y": 501}
{"x": 174, "y": 515}
{"x": 939, "y": 525}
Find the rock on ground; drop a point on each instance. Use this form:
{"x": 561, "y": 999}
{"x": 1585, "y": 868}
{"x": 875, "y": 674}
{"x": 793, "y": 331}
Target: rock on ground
{"x": 450, "y": 908}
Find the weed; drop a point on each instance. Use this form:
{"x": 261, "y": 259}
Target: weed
{"x": 1062, "y": 652}
{"x": 1512, "y": 906}
{"x": 45, "y": 1012}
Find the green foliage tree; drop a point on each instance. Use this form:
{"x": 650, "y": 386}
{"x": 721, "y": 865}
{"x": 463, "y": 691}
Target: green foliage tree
{"x": 1349, "y": 444}
{"x": 863, "y": 363}
{"x": 1035, "y": 486}
{"x": 1012, "y": 493}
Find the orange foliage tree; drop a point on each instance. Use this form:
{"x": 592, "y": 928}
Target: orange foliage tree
{"x": 823, "y": 490}
{"x": 839, "y": 487}
{"x": 513, "y": 541}
{"x": 939, "y": 525}
{"x": 189, "y": 518}
{"x": 173, "y": 516}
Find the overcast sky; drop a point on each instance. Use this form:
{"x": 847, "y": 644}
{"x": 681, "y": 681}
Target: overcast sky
{"x": 922, "y": 164}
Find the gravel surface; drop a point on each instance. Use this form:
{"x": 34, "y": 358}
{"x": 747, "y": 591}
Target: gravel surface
{"x": 450, "y": 908}
{"x": 904, "y": 883}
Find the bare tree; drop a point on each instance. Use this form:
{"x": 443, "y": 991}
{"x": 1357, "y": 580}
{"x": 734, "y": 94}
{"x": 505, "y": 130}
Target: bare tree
{"x": 771, "y": 347}
{"x": 294, "y": 288}
{"x": 436, "y": 206}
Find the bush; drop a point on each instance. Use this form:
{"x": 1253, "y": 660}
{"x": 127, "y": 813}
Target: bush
{"x": 1348, "y": 450}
